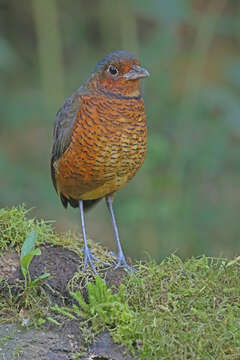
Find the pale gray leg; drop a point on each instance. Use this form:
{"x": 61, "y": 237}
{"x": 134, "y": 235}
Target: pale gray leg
{"x": 121, "y": 260}
{"x": 88, "y": 257}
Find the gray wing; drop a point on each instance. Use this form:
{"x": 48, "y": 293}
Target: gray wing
{"x": 62, "y": 135}
{"x": 63, "y": 127}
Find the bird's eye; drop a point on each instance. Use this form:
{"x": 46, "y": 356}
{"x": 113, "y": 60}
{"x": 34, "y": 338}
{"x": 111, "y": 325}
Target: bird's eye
{"x": 113, "y": 70}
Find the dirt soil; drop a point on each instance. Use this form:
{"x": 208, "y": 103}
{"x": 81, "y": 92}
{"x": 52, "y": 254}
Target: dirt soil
{"x": 54, "y": 342}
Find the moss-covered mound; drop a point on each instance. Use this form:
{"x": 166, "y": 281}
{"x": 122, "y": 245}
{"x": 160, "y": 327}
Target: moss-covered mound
{"x": 173, "y": 310}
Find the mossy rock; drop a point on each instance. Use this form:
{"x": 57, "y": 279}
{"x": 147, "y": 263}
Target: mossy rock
{"x": 173, "y": 310}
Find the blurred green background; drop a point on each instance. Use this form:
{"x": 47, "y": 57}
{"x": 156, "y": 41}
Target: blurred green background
{"x": 186, "y": 197}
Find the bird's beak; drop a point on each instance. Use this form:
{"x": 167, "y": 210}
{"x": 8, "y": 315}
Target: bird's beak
{"x": 136, "y": 72}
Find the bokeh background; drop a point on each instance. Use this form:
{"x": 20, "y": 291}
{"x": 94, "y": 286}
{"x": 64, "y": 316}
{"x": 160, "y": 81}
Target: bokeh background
{"x": 186, "y": 197}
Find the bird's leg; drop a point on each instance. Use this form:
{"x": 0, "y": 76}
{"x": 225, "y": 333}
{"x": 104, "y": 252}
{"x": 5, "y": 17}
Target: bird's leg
{"x": 121, "y": 260}
{"x": 88, "y": 257}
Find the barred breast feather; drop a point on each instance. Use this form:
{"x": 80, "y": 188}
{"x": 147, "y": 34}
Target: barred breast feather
{"x": 108, "y": 145}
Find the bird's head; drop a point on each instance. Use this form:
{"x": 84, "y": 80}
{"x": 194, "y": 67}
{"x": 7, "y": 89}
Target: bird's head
{"x": 119, "y": 73}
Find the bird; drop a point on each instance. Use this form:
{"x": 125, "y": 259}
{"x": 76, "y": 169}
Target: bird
{"x": 99, "y": 140}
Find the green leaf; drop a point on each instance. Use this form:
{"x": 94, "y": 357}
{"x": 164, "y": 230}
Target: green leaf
{"x": 49, "y": 318}
{"x": 26, "y": 260}
{"x": 79, "y": 298}
{"x": 44, "y": 276}
{"x": 28, "y": 244}
{"x": 64, "y": 311}
{"x": 41, "y": 277}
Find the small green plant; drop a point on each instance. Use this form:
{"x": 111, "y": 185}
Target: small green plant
{"x": 103, "y": 304}
{"x": 104, "y": 308}
{"x": 28, "y": 251}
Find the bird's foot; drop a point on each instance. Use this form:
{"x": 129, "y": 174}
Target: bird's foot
{"x": 122, "y": 262}
{"x": 89, "y": 258}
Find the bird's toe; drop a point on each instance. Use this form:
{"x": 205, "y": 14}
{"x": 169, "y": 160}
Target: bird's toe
{"x": 89, "y": 259}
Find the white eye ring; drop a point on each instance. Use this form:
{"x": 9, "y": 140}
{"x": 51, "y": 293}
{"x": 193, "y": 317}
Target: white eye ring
{"x": 113, "y": 70}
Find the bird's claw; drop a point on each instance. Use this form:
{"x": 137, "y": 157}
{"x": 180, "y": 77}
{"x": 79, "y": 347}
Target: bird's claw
{"x": 89, "y": 258}
{"x": 121, "y": 262}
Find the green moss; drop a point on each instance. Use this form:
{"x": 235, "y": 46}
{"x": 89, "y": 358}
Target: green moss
{"x": 15, "y": 227}
{"x": 173, "y": 310}
{"x": 185, "y": 309}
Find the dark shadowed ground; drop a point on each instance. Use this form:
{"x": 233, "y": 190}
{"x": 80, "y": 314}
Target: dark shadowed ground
{"x": 53, "y": 342}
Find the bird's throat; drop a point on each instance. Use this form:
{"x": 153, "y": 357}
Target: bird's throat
{"x": 136, "y": 94}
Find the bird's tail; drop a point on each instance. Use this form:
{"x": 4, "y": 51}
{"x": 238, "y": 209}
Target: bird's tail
{"x": 88, "y": 204}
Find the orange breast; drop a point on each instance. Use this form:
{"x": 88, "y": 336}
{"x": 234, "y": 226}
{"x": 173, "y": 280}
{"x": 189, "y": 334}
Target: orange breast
{"x": 108, "y": 146}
